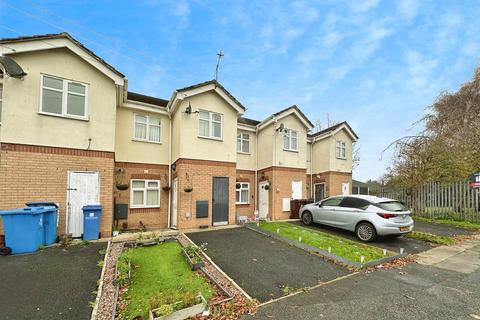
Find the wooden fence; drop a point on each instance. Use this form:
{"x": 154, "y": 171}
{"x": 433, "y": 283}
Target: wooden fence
{"x": 454, "y": 200}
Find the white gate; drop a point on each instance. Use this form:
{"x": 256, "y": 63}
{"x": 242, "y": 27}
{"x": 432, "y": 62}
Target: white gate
{"x": 83, "y": 188}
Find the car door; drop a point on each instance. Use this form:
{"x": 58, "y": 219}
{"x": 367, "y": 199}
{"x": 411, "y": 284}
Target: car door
{"x": 324, "y": 212}
{"x": 349, "y": 212}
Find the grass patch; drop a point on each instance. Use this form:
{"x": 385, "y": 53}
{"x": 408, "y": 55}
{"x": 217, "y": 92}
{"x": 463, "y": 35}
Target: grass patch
{"x": 429, "y": 237}
{"x": 452, "y": 222}
{"x": 160, "y": 276}
{"x": 342, "y": 247}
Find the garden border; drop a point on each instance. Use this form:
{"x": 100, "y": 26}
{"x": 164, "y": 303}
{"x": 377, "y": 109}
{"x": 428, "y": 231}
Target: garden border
{"x": 323, "y": 253}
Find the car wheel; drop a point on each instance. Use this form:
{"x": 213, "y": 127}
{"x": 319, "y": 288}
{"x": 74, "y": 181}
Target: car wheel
{"x": 365, "y": 231}
{"x": 5, "y": 251}
{"x": 307, "y": 218}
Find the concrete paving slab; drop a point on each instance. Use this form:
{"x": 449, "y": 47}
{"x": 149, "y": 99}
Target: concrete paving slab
{"x": 263, "y": 266}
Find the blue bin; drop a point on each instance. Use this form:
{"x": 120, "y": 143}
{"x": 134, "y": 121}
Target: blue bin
{"x": 49, "y": 221}
{"x": 23, "y": 229}
{"x": 91, "y": 221}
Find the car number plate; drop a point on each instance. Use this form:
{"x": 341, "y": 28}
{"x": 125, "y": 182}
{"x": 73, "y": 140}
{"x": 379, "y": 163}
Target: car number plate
{"x": 403, "y": 229}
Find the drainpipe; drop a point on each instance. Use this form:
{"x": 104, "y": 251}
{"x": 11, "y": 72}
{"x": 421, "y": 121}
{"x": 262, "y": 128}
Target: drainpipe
{"x": 311, "y": 170}
{"x": 274, "y": 163}
{"x": 169, "y": 169}
{"x": 255, "y": 201}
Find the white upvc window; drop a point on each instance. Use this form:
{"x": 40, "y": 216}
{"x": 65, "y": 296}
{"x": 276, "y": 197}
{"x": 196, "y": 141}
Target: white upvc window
{"x": 147, "y": 128}
{"x": 290, "y": 140}
{"x": 242, "y": 193}
{"x": 210, "y": 125}
{"x": 145, "y": 193}
{"x": 65, "y": 98}
{"x": 1, "y": 102}
{"x": 340, "y": 149}
{"x": 243, "y": 142}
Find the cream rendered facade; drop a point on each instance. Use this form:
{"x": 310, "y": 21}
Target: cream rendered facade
{"x": 179, "y": 178}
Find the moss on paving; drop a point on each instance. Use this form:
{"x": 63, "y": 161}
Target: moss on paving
{"x": 342, "y": 247}
{"x": 157, "y": 269}
{"x": 451, "y": 222}
{"x": 429, "y": 237}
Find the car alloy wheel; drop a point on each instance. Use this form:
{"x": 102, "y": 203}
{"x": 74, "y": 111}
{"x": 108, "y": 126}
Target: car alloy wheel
{"x": 307, "y": 218}
{"x": 366, "y": 232}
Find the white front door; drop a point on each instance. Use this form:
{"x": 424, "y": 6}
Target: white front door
{"x": 297, "y": 190}
{"x": 263, "y": 200}
{"x": 83, "y": 188}
{"x": 174, "y": 202}
{"x": 345, "y": 188}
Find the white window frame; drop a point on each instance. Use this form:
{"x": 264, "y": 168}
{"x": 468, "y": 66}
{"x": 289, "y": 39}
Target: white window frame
{"x": 240, "y": 191}
{"x": 210, "y": 125}
{"x": 148, "y": 125}
{"x": 145, "y": 189}
{"x": 288, "y": 135}
{"x": 65, "y": 93}
{"x": 241, "y": 138}
{"x": 340, "y": 146}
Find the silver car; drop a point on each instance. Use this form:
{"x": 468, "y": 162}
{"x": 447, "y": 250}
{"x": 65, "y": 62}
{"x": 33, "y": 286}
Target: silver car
{"x": 367, "y": 216}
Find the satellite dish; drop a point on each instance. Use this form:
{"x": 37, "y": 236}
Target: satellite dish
{"x": 281, "y": 127}
{"x": 188, "y": 110}
{"x": 11, "y": 67}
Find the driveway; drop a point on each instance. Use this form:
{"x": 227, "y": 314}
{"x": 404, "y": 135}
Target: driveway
{"x": 413, "y": 292}
{"x": 411, "y": 246}
{"x": 263, "y": 266}
{"x": 55, "y": 283}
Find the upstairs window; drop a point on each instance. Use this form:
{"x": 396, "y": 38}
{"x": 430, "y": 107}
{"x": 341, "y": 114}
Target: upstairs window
{"x": 290, "y": 140}
{"x": 242, "y": 193}
{"x": 210, "y": 125}
{"x": 340, "y": 150}
{"x": 1, "y": 102}
{"x": 147, "y": 128}
{"x": 145, "y": 194}
{"x": 63, "y": 97}
{"x": 243, "y": 142}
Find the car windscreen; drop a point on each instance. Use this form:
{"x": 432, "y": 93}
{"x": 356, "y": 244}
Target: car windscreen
{"x": 391, "y": 206}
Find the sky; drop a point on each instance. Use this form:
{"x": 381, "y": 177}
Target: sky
{"x": 376, "y": 64}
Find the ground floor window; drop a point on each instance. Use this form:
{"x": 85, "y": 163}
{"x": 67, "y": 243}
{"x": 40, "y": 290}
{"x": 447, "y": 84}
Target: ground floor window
{"x": 242, "y": 192}
{"x": 145, "y": 194}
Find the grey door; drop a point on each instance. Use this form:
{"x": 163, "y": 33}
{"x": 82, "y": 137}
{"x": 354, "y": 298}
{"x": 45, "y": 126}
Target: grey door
{"x": 220, "y": 201}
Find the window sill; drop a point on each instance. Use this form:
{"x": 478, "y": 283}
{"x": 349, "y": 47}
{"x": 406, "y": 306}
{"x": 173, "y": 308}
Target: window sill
{"x": 341, "y": 158}
{"x": 64, "y": 116}
{"x": 211, "y": 138}
{"x": 290, "y": 150}
{"x": 245, "y": 153}
{"x": 146, "y": 141}
{"x": 145, "y": 207}
{"x": 242, "y": 203}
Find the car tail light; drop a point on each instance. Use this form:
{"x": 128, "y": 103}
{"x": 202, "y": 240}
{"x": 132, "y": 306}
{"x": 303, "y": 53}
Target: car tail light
{"x": 387, "y": 215}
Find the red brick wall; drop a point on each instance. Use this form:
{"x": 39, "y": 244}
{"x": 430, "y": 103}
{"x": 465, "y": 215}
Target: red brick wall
{"x": 200, "y": 177}
{"x": 150, "y": 217}
{"x": 247, "y": 209}
{"x": 333, "y": 181}
{"x": 39, "y": 173}
{"x": 280, "y": 179}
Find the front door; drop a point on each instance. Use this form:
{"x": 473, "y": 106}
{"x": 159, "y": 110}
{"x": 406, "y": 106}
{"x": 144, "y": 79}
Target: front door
{"x": 319, "y": 193}
{"x": 220, "y": 201}
{"x": 83, "y": 188}
{"x": 345, "y": 188}
{"x": 263, "y": 200}
{"x": 174, "y": 202}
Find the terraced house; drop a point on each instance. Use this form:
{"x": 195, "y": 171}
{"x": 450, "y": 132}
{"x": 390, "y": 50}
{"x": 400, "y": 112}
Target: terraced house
{"x": 72, "y": 133}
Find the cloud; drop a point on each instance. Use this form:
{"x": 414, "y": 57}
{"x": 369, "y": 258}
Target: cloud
{"x": 408, "y": 9}
{"x": 363, "y": 5}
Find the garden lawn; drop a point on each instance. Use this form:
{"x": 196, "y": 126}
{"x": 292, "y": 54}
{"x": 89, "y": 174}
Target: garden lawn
{"x": 342, "y": 247}
{"x": 429, "y": 237}
{"x": 452, "y": 222}
{"x": 156, "y": 270}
